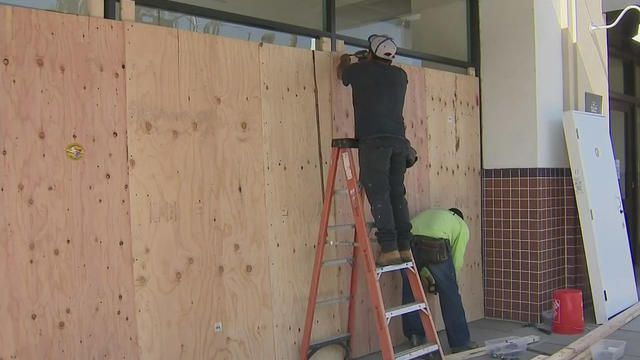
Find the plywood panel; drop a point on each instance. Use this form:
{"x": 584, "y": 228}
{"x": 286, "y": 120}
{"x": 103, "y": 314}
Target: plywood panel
{"x": 415, "y": 117}
{"x": 197, "y": 193}
{"x": 468, "y": 175}
{"x": 441, "y": 114}
{"x": 323, "y": 64}
{"x": 293, "y": 195}
{"x": 65, "y": 248}
{"x": 454, "y": 150}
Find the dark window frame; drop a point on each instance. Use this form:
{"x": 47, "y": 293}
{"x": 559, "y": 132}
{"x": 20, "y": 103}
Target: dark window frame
{"x": 329, "y": 31}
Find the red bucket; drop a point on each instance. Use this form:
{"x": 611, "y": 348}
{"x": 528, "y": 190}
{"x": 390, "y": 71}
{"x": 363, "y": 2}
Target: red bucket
{"x": 568, "y": 317}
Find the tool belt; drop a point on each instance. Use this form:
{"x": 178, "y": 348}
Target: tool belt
{"x": 429, "y": 250}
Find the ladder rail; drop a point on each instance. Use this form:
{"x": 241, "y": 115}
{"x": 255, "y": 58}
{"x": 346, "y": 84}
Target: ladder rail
{"x": 317, "y": 264}
{"x": 351, "y": 320}
{"x": 386, "y": 346}
{"x": 419, "y": 296}
{"x": 362, "y": 252}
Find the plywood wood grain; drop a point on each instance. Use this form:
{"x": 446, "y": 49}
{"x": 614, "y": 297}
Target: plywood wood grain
{"x": 65, "y": 243}
{"x": 454, "y": 147}
{"x": 293, "y": 195}
{"x": 441, "y": 115}
{"x": 199, "y": 223}
{"x": 469, "y": 176}
{"x": 188, "y": 229}
{"x": 415, "y": 117}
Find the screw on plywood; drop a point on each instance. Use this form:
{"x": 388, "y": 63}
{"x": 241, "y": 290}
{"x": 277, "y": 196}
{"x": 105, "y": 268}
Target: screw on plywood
{"x": 217, "y": 327}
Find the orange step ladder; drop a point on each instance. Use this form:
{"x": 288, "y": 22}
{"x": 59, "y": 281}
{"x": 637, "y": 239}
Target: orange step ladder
{"x": 343, "y": 150}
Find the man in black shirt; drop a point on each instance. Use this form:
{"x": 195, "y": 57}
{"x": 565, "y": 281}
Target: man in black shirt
{"x": 379, "y": 90}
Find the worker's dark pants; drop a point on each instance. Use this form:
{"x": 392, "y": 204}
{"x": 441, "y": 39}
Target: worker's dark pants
{"x": 382, "y": 167}
{"x": 455, "y": 321}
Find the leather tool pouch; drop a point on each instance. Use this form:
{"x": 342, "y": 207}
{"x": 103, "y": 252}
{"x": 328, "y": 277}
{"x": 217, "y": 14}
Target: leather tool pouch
{"x": 412, "y": 157}
{"x": 428, "y": 250}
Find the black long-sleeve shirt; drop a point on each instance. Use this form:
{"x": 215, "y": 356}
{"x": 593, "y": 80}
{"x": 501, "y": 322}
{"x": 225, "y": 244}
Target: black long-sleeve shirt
{"x": 378, "y": 98}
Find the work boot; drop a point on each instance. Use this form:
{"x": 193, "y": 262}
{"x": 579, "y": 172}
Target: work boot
{"x": 406, "y": 255}
{"x": 417, "y": 340}
{"x": 389, "y": 258}
{"x": 472, "y": 345}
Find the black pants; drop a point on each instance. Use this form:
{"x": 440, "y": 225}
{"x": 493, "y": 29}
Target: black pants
{"x": 383, "y": 163}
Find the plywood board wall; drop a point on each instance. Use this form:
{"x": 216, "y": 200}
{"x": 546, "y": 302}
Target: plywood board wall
{"x": 216, "y": 203}
{"x": 65, "y": 244}
{"x": 197, "y": 189}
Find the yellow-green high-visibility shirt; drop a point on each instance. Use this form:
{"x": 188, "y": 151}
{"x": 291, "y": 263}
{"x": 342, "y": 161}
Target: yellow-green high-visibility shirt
{"x": 443, "y": 224}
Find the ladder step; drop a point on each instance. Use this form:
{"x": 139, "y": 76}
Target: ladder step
{"x": 343, "y": 227}
{"x": 342, "y": 243}
{"x": 337, "y": 339}
{"x": 335, "y": 262}
{"x": 404, "y": 309}
{"x": 345, "y": 191}
{"x": 333, "y": 301}
{"x": 383, "y": 269}
{"x": 416, "y": 351}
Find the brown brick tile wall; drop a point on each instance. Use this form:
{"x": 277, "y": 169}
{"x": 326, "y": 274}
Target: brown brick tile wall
{"x": 532, "y": 243}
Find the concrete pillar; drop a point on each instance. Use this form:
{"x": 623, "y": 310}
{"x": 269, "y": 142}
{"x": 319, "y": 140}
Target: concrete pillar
{"x": 538, "y": 58}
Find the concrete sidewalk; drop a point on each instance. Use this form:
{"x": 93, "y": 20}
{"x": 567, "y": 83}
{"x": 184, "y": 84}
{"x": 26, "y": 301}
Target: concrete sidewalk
{"x": 486, "y": 329}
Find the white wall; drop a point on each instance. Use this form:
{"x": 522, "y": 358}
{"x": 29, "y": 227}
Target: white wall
{"x": 538, "y": 58}
{"x": 552, "y": 151}
{"x": 508, "y": 84}
{"x": 591, "y": 54}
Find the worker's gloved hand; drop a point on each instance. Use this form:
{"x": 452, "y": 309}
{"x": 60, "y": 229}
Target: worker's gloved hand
{"x": 428, "y": 282}
{"x": 412, "y": 157}
{"x": 345, "y": 59}
{"x": 361, "y": 55}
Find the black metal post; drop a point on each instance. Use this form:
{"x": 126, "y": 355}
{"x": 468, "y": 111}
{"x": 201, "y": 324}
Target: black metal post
{"x": 110, "y": 9}
{"x": 473, "y": 37}
{"x": 330, "y": 20}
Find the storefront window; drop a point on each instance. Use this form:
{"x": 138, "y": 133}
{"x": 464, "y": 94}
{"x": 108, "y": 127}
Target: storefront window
{"x": 398, "y": 59}
{"x": 66, "y": 6}
{"x": 428, "y": 32}
{"x": 216, "y": 27}
{"x": 306, "y": 13}
{"x": 437, "y": 27}
{"x": 616, "y": 78}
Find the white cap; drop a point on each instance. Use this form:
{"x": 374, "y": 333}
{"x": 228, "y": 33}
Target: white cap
{"x": 383, "y": 46}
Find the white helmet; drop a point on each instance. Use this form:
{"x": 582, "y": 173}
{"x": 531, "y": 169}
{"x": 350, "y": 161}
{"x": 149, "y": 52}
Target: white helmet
{"x": 382, "y": 46}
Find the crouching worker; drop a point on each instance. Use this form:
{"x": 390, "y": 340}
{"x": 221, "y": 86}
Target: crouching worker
{"x": 439, "y": 244}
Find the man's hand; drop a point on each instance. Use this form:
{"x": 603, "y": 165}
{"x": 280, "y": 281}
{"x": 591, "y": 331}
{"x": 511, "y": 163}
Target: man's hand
{"x": 428, "y": 282}
{"x": 345, "y": 60}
